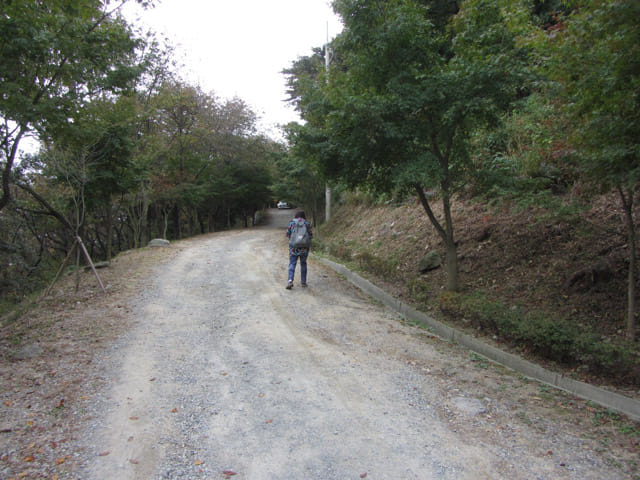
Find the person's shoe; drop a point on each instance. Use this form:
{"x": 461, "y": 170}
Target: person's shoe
{"x": 289, "y": 285}
{"x": 303, "y": 284}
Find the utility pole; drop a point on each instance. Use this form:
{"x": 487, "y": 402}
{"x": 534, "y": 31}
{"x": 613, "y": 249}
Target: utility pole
{"x": 327, "y": 187}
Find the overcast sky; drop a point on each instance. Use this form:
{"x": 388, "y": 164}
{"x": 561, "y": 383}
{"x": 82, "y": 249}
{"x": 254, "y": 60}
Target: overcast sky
{"x": 239, "y": 47}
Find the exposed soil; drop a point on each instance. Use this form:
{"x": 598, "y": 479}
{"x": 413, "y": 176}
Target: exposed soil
{"x": 197, "y": 363}
{"x": 569, "y": 267}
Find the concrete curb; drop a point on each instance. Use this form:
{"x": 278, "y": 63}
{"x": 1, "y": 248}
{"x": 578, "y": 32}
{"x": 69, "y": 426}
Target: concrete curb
{"x": 612, "y": 400}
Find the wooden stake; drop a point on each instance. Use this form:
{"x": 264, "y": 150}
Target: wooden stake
{"x": 86, "y": 254}
{"x": 76, "y": 242}
{"x": 64, "y": 264}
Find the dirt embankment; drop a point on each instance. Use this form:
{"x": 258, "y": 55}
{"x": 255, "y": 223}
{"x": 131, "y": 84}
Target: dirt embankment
{"x": 569, "y": 267}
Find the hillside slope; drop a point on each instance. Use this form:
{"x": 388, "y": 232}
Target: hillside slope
{"x": 567, "y": 271}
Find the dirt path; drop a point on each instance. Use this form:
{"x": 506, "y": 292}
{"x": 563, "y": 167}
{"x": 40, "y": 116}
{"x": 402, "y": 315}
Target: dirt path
{"x": 224, "y": 373}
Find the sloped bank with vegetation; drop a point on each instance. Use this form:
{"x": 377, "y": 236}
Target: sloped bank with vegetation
{"x": 549, "y": 286}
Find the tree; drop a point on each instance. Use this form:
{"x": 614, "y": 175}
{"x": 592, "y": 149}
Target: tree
{"x": 416, "y": 78}
{"x": 298, "y": 176}
{"x": 54, "y": 56}
{"x": 592, "y": 55}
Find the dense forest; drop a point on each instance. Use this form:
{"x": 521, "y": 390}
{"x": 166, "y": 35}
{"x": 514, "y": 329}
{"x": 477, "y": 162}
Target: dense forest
{"x": 535, "y": 102}
{"x": 127, "y": 150}
{"x": 531, "y": 102}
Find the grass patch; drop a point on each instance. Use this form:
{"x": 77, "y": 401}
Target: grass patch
{"x": 479, "y": 361}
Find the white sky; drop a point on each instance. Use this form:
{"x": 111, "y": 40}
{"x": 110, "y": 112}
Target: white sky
{"x": 239, "y": 47}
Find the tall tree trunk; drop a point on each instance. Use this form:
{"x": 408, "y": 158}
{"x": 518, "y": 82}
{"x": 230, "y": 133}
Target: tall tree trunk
{"x": 10, "y": 156}
{"x": 177, "y": 220}
{"x": 453, "y": 283}
{"x": 627, "y": 201}
{"x": 165, "y": 217}
{"x": 109, "y": 227}
{"x": 452, "y": 250}
{"x": 446, "y": 235}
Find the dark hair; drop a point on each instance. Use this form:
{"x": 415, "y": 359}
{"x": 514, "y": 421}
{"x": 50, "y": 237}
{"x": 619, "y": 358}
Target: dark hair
{"x": 300, "y": 214}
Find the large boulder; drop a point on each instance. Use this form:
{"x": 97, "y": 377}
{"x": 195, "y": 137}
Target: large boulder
{"x": 430, "y": 261}
{"x": 159, "y": 242}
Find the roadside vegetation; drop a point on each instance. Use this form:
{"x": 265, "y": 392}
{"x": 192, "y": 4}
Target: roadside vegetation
{"x": 127, "y": 151}
{"x": 548, "y": 287}
{"x": 504, "y": 136}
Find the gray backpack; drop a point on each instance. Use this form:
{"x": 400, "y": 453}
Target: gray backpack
{"x": 300, "y": 235}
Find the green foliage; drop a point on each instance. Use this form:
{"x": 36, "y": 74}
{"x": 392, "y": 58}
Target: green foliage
{"x": 592, "y": 56}
{"x": 420, "y": 290}
{"x": 382, "y": 267}
{"x": 544, "y": 335}
{"x": 56, "y": 56}
{"x": 298, "y": 179}
{"x": 414, "y": 80}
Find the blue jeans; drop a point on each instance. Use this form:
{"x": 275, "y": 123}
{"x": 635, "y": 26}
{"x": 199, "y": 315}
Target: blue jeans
{"x": 293, "y": 260}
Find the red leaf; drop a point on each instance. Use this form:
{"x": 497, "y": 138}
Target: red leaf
{"x": 104, "y": 454}
{"x": 229, "y": 473}
{"x": 134, "y": 461}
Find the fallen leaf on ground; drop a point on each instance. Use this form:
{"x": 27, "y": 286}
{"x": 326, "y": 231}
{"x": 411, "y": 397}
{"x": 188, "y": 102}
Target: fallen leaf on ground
{"x": 104, "y": 454}
{"x": 363, "y": 475}
{"x": 229, "y": 473}
{"x": 175, "y": 410}
{"x": 133, "y": 418}
{"x": 270, "y": 420}
{"x": 29, "y": 458}
{"x": 134, "y": 461}
{"x": 198, "y": 462}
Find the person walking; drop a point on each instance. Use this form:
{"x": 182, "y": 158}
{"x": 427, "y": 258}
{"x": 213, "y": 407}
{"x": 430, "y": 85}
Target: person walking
{"x": 300, "y": 234}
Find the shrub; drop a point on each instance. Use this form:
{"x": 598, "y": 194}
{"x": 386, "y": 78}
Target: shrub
{"x": 545, "y": 336}
{"x": 377, "y": 265}
{"x": 419, "y": 290}
{"x": 552, "y": 338}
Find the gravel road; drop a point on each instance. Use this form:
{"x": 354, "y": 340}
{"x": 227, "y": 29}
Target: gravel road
{"x": 226, "y": 374}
